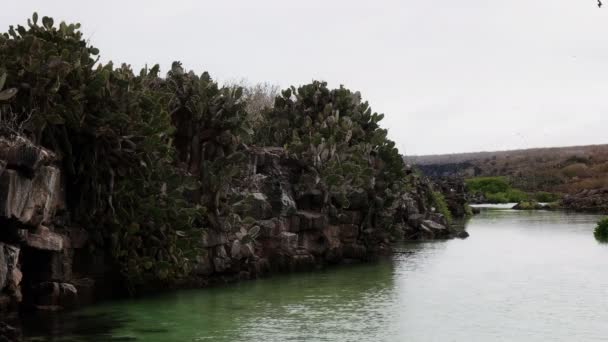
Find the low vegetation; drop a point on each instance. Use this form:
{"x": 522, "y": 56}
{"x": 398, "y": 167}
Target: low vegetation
{"x": 438, "y": 201}
{"x": 500, "y": 190}
{"x": 601, "y": 231}
{"x": 494, "y": 190}
{"x": 546, "y": 197}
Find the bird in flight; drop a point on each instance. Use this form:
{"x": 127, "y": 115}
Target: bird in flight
{"x": 599, "y": 3}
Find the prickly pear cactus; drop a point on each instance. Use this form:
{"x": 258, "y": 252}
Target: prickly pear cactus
{"x": 113, "y": 131}
{"x": 339, "y": 135}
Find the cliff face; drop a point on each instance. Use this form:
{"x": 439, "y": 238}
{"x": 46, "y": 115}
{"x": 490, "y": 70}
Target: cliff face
{"x": 47, "y": 264}
{"x": 280, "y": 227}
{"x": 37, "y": 250}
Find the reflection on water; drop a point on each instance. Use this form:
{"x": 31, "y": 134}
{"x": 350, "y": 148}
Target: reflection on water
{"x": 521, "y": 276}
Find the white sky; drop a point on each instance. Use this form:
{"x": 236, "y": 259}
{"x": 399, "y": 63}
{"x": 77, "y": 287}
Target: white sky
{"x": 450, "y": 76}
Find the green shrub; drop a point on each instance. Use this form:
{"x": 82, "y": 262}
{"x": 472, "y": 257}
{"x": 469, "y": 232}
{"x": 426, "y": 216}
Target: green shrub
{"x": 495, "y": 190}
{"x": 490, "y": 185}
{"x": 500, "y": 197}
{"x": 601, "y": 231}
{"x": 546, "y": 197}
{"x": 338, "y": 136}
{"x": 515, "y": 195}
{"x": 438, "y": 201}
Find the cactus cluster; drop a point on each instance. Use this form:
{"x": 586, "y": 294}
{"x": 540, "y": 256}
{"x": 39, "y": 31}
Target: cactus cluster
{"x": 113, "y": 131}
{"x": 339, "y": 136}
{"x": 210, "y": 124}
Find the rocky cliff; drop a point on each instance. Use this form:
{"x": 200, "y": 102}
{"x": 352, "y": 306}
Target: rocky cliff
{"x": 46, "y": 264}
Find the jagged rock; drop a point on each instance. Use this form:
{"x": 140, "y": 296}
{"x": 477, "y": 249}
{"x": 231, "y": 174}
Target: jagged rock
{"x": 9, "y": 333}
{"x": 433, "y": 225}
{"x": 14, "y": 192}
{"x": 415, "y": 220}
{"x": 6, "y": 302}
{"x": 265, "y": 158}
{"x": 10, "y": 275}
{"x": 433, "y": 229}
{"x": 310, "y": 200}
{"x": 358, "y": 199}
{"x": 43, "y": 239}
{"x": 279, "y": 194}
{"x": 439, "y": 218}
{"x": 461, "y": 234}
{"x": 333, "y": 244}
{"x": 54, "y": 295}
{"x": 11, "y": 255}
{"x": 30, "y": 201}
{"x": 211, "y": 238}
{"x": 289, "y": 242}
{"x": 221, "y": 261}
{"x": 255, "y": 205}
{"x": 288, "y": 204}
{"x": 398, "y": 232}
{"x": 454, "y": 193}
{"x": 349, "y": 217}
{"x": 313, "y": 242}
{"x": 235, "y": 250}
{"x": 76, "y": 238}
{"x": 85, "y": 288}
{"x": 528, "y": 205}
{"x": 60, "y": 266}
{"x": 349, "y": 232}
{"x": 247, "y": 250}
{"x": 203, "y": 265}
{"x": 272, "y": 228}
{"x": 21, "y": 154}
{"x": 44, "y": 197}
{"x": 307, "y": 220}
{"x": 333, "y": 236}
{"x": 3, "y": 268}
{"x": 15, "y": 277}
{"x": 409, "y": 204}
{"x": 261, "y": 266}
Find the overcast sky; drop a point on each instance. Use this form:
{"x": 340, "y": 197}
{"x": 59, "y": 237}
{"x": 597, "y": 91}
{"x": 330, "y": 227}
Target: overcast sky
{"x": 450, "y": 76}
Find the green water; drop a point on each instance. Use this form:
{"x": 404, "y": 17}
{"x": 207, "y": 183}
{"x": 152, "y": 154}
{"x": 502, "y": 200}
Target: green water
{"x": 521, "y": 276}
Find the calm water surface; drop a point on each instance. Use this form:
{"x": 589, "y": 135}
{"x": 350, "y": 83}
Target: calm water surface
{"x": 521, "y": 276}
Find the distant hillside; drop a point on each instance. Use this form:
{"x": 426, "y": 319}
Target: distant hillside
{"x": 562, "y": 169}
